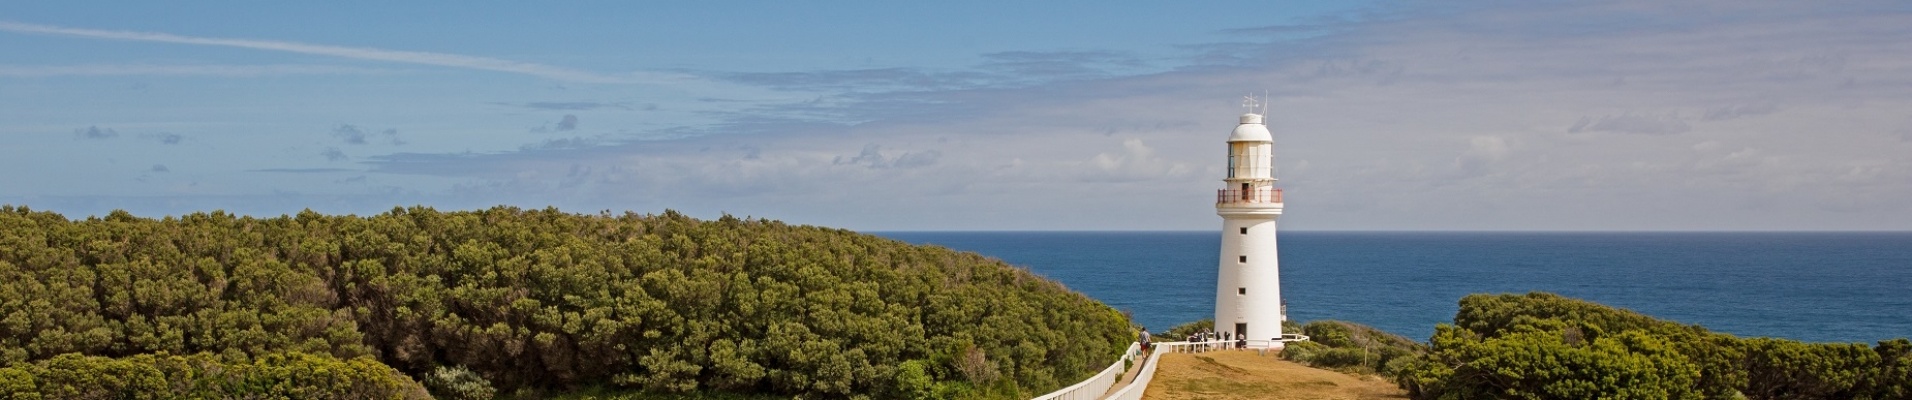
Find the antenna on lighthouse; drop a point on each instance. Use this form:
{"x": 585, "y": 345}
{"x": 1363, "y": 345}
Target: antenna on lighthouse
{"x": 1264, "y": 102}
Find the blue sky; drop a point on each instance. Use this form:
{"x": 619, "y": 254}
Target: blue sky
{"x": 971, "y": 115}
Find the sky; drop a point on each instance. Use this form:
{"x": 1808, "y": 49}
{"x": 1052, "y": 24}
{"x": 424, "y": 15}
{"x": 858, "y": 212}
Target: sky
{"x": 887, "y": 116}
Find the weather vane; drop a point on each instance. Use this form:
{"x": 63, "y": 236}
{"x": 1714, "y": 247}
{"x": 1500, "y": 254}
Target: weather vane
{"x": 1255, "y": 104}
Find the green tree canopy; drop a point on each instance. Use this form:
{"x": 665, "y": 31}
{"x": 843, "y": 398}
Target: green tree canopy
{"x": 547, "y": 301}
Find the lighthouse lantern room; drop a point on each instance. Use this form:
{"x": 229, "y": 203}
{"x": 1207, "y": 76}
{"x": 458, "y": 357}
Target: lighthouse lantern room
{"x": 1248, "y": 285}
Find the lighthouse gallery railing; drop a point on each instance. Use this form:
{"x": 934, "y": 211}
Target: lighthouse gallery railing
{"x": 1253, "y": 195}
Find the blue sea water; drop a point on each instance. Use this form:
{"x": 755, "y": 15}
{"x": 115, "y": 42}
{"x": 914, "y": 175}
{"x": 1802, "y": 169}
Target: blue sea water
{"x": 1820, "y": 287}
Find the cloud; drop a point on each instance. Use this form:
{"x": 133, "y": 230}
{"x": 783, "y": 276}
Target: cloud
{"x": 164, "y": 138}
{"x": 334, "y": 154}
{"x": 309, "y": 170}
{"x": 873, "y": 157}
{"x": 1641, "y": 124}
{"x": 862, "y": 79}
{"x": 574, "y": 105}
{"x": 361, "y": 53}
{"x": 561, "y": 144}
{"x": 1136, "y": 162}
{"x": 569, "y": 122}
{"x": 94, "y": 132}
{"x": 159, "y": 168}
{"x": 1733, "y": 112}
{"x": 1483, "y": 152}
{"x": 43, "y": 71}
{"x": 355, "y": 136}
{"x": 1059, "y": 64}
{"x": 1445, "y": 117}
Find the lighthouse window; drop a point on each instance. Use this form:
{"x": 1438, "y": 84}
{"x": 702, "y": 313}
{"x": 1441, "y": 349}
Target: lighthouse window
{"x": 1231, "y": 165}
{"x": 1241, "y": 290}
{"x": 1244, "y": 258}
{"x": 1244, "y": 230}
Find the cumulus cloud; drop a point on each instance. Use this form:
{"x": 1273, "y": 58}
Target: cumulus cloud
{"x": 1136, "y": 162}
{"x": 1482, "y": 153}
{"x": 568, "y": 123}
{"x": 94, "y": 132}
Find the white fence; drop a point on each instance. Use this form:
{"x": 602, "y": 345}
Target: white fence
{"x": 1140, "y": 384}
{"x": 1095, "y": 386}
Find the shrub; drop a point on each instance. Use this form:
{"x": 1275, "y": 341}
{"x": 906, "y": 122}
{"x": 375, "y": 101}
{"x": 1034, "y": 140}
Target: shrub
{"x": 458, "y": 383}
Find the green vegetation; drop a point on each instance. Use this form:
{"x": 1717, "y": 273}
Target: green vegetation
{"x": 525, "y": 303}
{"x": 203, "y": 376}
{"x": 1544, "y": 346}
{"x": 1350, "y": 347}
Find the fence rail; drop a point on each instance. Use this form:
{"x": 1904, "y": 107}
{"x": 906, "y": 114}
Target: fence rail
{"x": 1140, "y": 384}
{"x": 1261, "y": 195}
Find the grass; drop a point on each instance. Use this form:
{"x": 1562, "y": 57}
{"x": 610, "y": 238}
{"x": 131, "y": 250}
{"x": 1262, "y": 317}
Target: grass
{"x": 1247, "y": 375}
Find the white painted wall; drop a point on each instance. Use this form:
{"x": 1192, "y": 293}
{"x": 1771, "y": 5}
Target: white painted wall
{"x": 1249, "y": 291}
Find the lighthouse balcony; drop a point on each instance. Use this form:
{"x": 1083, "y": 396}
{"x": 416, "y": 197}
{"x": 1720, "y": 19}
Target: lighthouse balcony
{"x": 1256, "y": 196}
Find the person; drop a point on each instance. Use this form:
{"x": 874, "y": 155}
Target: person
{"x": 1145, "y": 339}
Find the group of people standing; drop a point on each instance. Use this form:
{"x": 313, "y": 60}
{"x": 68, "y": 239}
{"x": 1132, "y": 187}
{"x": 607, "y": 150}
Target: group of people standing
{"x": 1204, "y": 335}
{"x": 1207, "y": 335}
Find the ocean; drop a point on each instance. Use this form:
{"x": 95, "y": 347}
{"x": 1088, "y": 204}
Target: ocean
{"x": 1810, "y": 286}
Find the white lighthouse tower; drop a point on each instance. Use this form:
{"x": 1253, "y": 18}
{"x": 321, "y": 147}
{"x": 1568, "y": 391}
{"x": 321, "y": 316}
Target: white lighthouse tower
{"x": 1248, "y": 286}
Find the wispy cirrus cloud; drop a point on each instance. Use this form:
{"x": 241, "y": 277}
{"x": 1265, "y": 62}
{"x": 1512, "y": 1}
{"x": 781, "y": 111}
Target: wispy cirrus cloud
{"x": 40, "y": 71}
{"x": 360, "y": 53}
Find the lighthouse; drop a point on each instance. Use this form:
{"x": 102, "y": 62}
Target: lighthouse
{"x": 1248, "y": 283}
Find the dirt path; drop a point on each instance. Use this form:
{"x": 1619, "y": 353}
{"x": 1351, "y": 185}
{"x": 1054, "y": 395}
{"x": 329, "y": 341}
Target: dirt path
{"x": 1245, "y": 375}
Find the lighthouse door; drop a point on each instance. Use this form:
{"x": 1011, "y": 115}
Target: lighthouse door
{"x": 1244, "y": 191}
{"x": 1241, "y": 329}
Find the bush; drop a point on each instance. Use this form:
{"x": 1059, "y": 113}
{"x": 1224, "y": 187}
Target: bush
{"x": 146, "y": 376}
{"x": 1542, "y": 345}
{"x": 1349, "y": 347}
{"x": 459, "y": 383}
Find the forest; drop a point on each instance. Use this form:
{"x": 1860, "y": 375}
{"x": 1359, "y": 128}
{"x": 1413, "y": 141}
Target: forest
{"x": 515, "y": 303}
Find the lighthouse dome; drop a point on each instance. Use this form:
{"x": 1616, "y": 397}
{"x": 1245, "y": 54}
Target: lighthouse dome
{"x": 1251, "y": 130}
